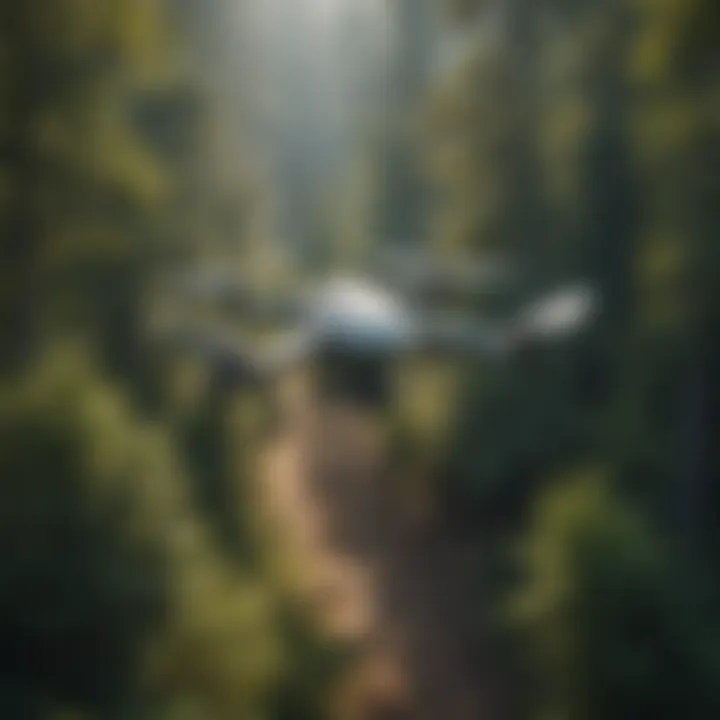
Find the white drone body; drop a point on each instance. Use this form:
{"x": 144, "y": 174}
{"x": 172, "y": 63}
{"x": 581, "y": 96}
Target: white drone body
{"x": 357, "y": 317}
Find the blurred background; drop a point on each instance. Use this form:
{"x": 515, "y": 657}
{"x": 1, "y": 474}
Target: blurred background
{"x": 536, "y": 539}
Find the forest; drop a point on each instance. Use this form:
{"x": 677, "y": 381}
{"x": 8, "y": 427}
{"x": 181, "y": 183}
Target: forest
{"x": 542, "y": 534}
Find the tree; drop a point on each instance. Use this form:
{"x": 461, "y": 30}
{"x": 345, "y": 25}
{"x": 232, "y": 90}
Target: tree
{"x": 609, "y": 632}
{"x": 615, "y": 149}
{"x": 82, "y": 191}
{"x": 117, "y": 599}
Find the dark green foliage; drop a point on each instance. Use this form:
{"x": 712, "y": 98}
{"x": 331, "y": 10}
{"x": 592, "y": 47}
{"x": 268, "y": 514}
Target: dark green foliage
{"x": 582, "y": 131}
{"x": 611, "y": 628}
{"x": 121, "y": 594}
{"x": 217, "y": 482}
{"x": 81, "y": 592}
{"x": 576, "y": 138}
{"x": 313, "y": 667}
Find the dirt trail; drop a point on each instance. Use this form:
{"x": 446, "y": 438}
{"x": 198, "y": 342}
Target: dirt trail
{"x": 367, "y": 577}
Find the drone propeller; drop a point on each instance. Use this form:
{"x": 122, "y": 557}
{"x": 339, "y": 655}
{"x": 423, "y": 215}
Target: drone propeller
{"x": 559, "y": 314}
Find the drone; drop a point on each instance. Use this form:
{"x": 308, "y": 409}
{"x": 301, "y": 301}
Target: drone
{"x": 365, "y": 323}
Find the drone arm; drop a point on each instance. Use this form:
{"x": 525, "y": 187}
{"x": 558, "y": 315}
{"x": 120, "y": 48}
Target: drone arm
{"x": 553, "y": 317}
{"x": 454, "y": 336}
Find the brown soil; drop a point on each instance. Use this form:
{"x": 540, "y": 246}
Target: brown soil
{"x": 368, "y": 575}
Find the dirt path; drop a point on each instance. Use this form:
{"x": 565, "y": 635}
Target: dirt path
{"x": 366, "y": 576}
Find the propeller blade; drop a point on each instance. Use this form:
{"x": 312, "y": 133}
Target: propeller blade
{"x": 561, "y": 313}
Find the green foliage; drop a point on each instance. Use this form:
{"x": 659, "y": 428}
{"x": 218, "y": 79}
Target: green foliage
{"x": 608, "y": 630}
{"x": 581, "y": 139}
{"x": 577, "y": 138}
{"x": 85, "y": 192}
{"x": 114, "y": 592}
{"x": 84, "y": 583}
{"x": 122, "y": 591}
{"x": 313, "y": 669}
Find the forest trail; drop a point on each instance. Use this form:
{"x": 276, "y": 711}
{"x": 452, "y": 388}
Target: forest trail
{"x": 364, "y": 574}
